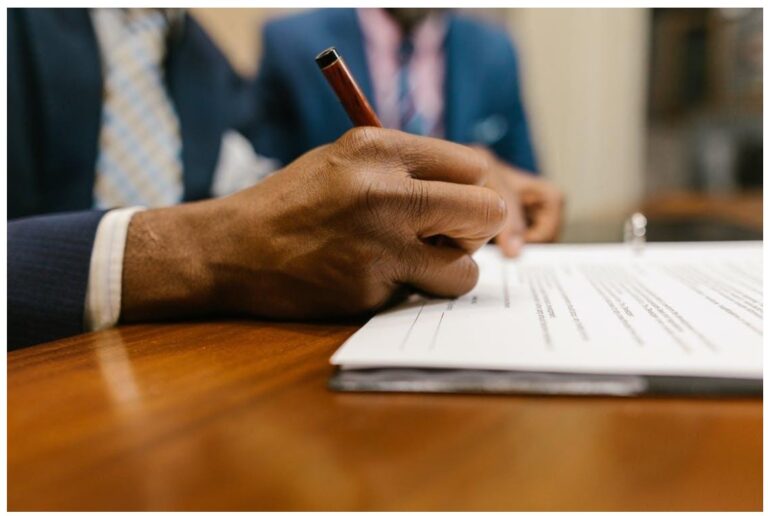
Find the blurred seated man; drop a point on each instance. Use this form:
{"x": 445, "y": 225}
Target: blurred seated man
{"x": 115, "y": 117}
{"x": 426, "y": 71}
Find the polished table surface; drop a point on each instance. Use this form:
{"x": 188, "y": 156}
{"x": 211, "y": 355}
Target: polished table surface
{"x": 236, "y": 415}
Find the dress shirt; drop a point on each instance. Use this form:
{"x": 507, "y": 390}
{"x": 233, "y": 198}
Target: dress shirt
{"x": 104, "y": 294}
{"x": 383, "y": 37}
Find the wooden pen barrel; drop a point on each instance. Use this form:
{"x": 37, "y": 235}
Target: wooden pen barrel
{"x": 349, "y": 93}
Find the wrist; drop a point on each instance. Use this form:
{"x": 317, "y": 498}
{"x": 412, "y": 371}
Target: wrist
{"x": 166, "y": 270}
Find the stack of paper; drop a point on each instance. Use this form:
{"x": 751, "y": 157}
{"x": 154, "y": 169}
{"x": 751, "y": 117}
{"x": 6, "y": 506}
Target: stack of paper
{"x": 682, "y": 310}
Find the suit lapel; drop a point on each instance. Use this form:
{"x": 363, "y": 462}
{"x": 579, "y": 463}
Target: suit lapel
{"x": 455, "y": 86}
{"x": 68, "y": 68}
{"x": 351, "y": 45}
{"x": 193, "y": 87}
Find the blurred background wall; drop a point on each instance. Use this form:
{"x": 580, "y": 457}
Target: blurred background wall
{"x": 625, "y": 104}
{"x": 584, "y": 79}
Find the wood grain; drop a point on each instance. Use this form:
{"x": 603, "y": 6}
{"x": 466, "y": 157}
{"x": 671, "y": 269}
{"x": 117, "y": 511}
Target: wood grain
{"x": 236, "y": 415}
{"x": 742, "y": 208}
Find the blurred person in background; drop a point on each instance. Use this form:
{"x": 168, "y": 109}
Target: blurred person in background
{"x": 426, "y": 71}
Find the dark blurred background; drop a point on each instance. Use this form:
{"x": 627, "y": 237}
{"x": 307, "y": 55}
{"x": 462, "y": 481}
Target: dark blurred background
{"x": 705, "y": 100}
{"x": 705, "y": 120}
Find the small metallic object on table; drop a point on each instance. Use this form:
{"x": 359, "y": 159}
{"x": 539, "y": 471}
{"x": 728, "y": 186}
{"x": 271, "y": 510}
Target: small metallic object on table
{"x": 634, "y": 232}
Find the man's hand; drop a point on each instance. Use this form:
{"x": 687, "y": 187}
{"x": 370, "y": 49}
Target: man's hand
{"x": 535, "y": 206}
{"x": 337, "y": 232}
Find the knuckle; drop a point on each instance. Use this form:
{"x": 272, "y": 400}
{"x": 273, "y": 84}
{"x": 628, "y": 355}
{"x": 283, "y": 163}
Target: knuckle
{"x": 376, "y": 212}
{"x": 362, "y": 140}
{"x": 373, "y": 201}
{"x": 373, "y": 196}
{"x": 417, "y": 200}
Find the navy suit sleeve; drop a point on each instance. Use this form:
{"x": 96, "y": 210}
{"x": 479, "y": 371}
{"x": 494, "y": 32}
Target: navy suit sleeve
{"x": 515, "y": 146}
{"x": 48, "y": 263}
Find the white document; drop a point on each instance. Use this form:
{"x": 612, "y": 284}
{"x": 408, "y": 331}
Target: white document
{"x": 681, "y": 309}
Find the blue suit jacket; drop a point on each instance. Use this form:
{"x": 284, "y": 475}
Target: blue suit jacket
{"x": 482, "y": 88}
{"x": 54, "y": 119}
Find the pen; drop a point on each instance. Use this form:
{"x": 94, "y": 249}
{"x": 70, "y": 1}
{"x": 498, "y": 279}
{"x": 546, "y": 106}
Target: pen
{"x": 348, "y": 92}
{"x": 355, "y": 104}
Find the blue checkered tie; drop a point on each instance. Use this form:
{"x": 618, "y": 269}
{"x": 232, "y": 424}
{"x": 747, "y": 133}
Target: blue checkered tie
{"x": 139, "y": 160}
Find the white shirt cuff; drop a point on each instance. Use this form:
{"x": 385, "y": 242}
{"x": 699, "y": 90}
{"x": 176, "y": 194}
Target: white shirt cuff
{"x": 105, "y": 277}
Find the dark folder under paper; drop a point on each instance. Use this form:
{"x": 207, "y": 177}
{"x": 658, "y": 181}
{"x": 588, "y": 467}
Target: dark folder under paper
{"x": 555, "y": 384}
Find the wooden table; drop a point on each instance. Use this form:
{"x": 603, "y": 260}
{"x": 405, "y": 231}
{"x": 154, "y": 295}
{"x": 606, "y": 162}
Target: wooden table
{"x": 743, "y": 208}
{"x": 236, "y": 415}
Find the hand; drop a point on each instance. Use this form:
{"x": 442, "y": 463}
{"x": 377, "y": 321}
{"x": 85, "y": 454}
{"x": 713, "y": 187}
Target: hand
{"x": 535, "y": 206}
{"x": 337, "y": 232}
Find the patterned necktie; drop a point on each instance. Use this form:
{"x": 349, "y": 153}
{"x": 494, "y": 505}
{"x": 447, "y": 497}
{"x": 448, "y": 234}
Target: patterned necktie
{"x": 411, "y": 120}
{"x": 139, "y": 160}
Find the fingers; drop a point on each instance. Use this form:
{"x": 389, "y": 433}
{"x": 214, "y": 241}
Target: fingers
{"x": 545, "y": 226}
{"x": 542, "y": 203}
{"x": 511, "y": 237}
{"x": 440, "y": 271}
{"x": 469, "y": 215}
{"x": 545, "y": 214}
{"x": 422, "y": 157}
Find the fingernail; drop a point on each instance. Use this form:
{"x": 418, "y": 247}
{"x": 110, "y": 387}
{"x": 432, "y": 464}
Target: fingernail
{"x": 515, "y": 244}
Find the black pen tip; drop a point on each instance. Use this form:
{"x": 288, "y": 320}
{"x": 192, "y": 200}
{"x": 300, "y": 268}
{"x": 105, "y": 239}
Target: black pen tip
{"x": 327, "y": 57}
